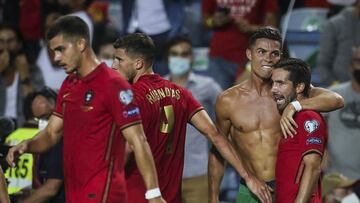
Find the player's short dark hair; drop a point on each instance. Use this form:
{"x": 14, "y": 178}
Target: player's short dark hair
{"x": 267, "y": 33}
{"x": 299, "y": 72}
{"x": 137, "y": 44}
{"x": 177, "y": 40}
{"x": 69, "y": 27}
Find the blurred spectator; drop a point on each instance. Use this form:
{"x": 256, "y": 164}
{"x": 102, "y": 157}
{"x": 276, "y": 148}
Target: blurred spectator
{"x": 344, "y": 125}
{"x": 336, "y": 187}
{"x": 205, "y": 90}
{"x": 232, "y": 23}
{"x": 337, "y": 5}
{"x": 17, "y": 77}
{"x": 340, "y": 34}
{"x": 104, "y": 37}
{"x": 48, "y": 167}
{"x": 53, "y": 75}
{"x": 159, "y": 19}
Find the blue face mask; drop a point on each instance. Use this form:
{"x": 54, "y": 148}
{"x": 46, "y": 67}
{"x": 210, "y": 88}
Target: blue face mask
{"x": 179, "y": 65}
{"x": 108, "y": 62}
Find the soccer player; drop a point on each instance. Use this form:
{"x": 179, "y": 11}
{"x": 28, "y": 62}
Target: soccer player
{"x": 87, "y": 116}
{"x": 166, "y": 109}
{"x": 247, "y": 113}
{"x": 299, "y": 158}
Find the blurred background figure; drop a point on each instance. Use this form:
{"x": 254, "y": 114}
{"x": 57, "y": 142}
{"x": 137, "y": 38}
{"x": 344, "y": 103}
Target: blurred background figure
{"x": 340, "y": 34}
{"x": 17, "y": 77}
{"x": 336, "y": 188}
{"x": 205, "y": 90}
{"x": 104, "y": 37}
{"x": 47, "y": 182}
{"x": 344, "y": 124}
{"x": 232, "y": 23}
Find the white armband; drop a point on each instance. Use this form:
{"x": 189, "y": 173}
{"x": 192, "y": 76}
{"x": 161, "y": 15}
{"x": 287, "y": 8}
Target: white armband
{"x": 296, "y": 105}
{"x": 153, "y": 193}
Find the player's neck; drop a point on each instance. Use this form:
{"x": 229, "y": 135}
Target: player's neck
{"x": 143, "y": 71}
{"x": 262, "y": 86}
{"x": 88, "y": 64}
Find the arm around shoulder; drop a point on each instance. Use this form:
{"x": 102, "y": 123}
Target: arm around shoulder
{"x": 322, "y": 100}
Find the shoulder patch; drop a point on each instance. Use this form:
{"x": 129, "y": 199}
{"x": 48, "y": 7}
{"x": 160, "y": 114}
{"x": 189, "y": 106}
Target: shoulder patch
{"x": 311, "y": 126}
{"x": 126, "y": 96}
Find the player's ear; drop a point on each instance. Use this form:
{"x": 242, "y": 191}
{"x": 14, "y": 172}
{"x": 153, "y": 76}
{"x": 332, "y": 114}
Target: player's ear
{"x": 139, "y": 63}
{"x": 300, "y": 88}
{"x": 81, "y": 44}
{"x": 248, "y": 54}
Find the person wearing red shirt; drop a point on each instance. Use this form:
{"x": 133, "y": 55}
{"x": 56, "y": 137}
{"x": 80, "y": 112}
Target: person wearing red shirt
{"x": 298, "y": 162}
{"x": 232, "y": 23}
{"x": 95, "y": 114}
{"x": 166, "y": 108}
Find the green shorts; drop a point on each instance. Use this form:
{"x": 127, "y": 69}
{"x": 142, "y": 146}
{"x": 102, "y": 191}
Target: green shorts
{"x": 246, "y": 196}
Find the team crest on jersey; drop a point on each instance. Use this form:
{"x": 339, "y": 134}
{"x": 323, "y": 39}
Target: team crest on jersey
{"x": 88, "y": 97}
{"x": 311, "y": 126}
{"x": 126, "y": 96}
{"x": 313, "y": 141}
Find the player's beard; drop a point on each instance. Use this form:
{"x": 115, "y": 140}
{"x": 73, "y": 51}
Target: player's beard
{"x": 288, "y": 100}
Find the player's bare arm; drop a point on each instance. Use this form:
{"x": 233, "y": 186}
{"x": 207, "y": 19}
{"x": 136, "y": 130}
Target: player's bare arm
{"x": 216, "y": 165}
{"x": 43, "y": 194}
{"x": 135, "y": 136}
{"x": 203, "y": 123}
{"x": 43, "y": 141}
{"x": 320, "y": 99}
{"x": 310, "y": 177}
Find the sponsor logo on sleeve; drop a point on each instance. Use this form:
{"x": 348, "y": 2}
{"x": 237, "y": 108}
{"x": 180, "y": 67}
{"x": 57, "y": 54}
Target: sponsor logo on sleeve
{"x": 313, "y": 141}
{"x": 131, "y": 112}
{"x": 311, "y": 126}
{"x": 126, "y": 96}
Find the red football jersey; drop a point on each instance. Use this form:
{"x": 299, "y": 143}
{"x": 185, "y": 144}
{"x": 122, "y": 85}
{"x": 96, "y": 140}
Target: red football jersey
{"x": 311, "y": 137}
{"x": 165, "y": 110}
{"x": 94, "y": 110}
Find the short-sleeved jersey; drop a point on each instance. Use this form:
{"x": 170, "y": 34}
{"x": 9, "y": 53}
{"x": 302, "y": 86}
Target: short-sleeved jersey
{"x": 95, "y": 109}
{"x": 311, "y": 137}
{"x": 165, "y": 110}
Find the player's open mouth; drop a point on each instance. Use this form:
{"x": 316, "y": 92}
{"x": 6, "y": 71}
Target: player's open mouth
{"x": 279, "y": 99}
{"x": 266, "y": 66}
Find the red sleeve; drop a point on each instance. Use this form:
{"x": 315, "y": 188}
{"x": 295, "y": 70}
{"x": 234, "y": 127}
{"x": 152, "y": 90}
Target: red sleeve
{"x": 59, "y": 99}
{"x": 312, "y": 132}
{"x": 121, "y": 104}
{"x": 193, "y": 106}
{"x": 208, "y": 6}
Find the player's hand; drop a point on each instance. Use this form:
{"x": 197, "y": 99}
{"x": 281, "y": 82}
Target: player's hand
{"x": 157, "y": 200}
{"x": 15, "y": 152}
{"x": 259, "y": 188}
{"x": 287, "y": 123}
